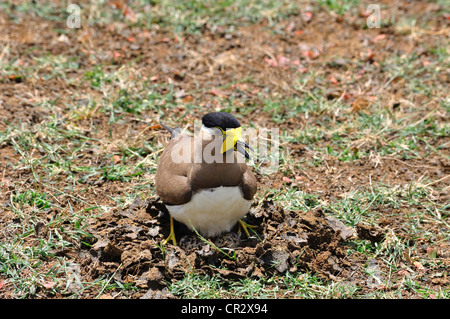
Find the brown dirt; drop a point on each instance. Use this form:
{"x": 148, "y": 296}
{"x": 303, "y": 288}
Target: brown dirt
{"x": 129, "y": 242}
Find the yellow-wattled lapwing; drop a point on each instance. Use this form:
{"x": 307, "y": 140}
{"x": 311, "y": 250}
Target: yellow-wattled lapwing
{"x": 202, "y": 181}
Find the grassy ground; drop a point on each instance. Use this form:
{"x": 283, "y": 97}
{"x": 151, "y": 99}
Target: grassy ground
{"x": 364, "y": 134}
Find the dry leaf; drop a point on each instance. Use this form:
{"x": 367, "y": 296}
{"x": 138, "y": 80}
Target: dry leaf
{"x": 419, "y": 266}
{"x": 217, "y": 92}
{"x": 307, "y": 16}
{"x": 379, "y": 37}
{"x": 333, "y": 80}
{"x": 359, "y": 104}
{"x": 290, "y": 27}
{"x": 117, "y": 159}
{"x": 116, "y": 55}
{"x": 117, "y": 4}
{"x": 129, "y": 14}
{"x": 155, "y": 127}
{"x": 48, "y": 284}
{"x": 311, "y": 54}
{"x": 271, "y": 62}
{"x": 188, "y": 98}
{"x": 286, "y": 179}
{"x": 403, "y": 272}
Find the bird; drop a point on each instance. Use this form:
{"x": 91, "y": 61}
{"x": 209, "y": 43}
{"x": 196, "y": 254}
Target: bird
{"x": 203, "y": 180}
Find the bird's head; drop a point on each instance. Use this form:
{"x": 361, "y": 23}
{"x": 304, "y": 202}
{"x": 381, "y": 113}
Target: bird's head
{"x": 231, "y": 130}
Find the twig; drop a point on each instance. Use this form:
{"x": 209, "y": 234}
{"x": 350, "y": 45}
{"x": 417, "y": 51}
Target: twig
{"x": 439, "y": 180}
{"x": 410, "y": 165}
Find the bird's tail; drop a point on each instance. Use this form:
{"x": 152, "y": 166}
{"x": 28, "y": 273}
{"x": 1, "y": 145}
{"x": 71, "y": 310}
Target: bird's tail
{"x": 172, "y": 131}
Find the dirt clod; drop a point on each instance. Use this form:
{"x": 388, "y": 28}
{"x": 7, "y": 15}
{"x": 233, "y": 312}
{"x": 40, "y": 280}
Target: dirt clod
{"x": 312, "y": 243}
{"x": 372, "y": 233}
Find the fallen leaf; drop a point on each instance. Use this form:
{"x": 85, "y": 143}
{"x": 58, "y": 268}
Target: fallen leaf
{"x": 180, "y": 94}
{"x": 117, "y": 4}
{"x": 63, "y": 38}
{"x": 117, "y": 159}
{"x": 217, "y": 92}
{"x": 48, "y": 284}
{"x": 5, "y": 182}
{"x": 286, "y": 179}
{"x": 283, "y": 61}
{"x": 365, "y": 14}
{"x": 419, "y": 266}
{"x": 403, "y": 272}
{"x": 178, "y": 39}
{"x": 155, "y": 127}
{"x": 307, "y": 16}
{"x": 129, "y": 14}
{"x": 407, "y": 258}
{"x": 279, "y": 61}
{"x": 116, "y": 55}
{"x": 346, "y": 96}
{"x": 302, "y": 69}
{"x": 333, "y": 80}
{"x": 2, "y": 283}
{"x": 154, "y": 78}
{"x": 188, "y": 98}
{"x": 311, "y": 54}
{"x": 290, "y": 27}
{"x": 368, "y": 56}
{"x": 271, "y": 62}
{"x": 379, "y": 37}
{"x": 359, "y": 104}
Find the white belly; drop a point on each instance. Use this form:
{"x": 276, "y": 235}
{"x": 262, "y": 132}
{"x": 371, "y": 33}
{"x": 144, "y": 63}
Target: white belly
{"x": 212, "y": 211}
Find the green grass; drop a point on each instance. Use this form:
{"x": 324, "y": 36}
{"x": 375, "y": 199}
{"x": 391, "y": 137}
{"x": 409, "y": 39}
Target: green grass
{"x": 177, "y": 16}
{"x": 193, "y": 15}
{"x": 304, "y": 285}
{"x": 339, "y": 6}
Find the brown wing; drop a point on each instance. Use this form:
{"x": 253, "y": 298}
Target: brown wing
{"x": 176, "y": 182}
{"x": 249, "y": 184}
{"x": 171, "y": 179}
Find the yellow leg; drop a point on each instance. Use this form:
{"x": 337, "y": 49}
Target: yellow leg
{"x": 243, "y": 226}
{"x": 171, "y": 235}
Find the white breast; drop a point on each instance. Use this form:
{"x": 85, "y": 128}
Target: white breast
{"x": 212, "y": 211}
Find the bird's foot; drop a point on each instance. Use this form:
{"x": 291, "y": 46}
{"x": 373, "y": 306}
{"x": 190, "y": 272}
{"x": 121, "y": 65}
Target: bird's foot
{"x": 244, "y": 226}
{"x": 171, "y": 235}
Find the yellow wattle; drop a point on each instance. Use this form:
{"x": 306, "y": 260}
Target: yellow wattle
{"x": 231, "y": 138}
